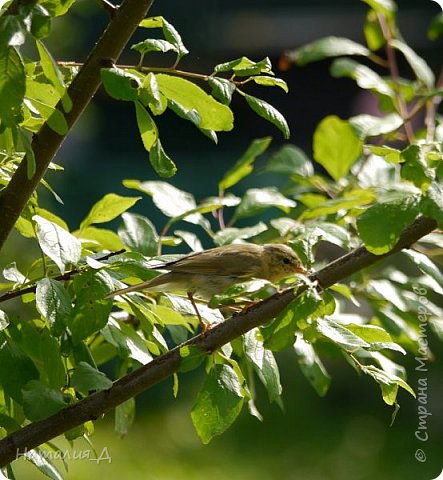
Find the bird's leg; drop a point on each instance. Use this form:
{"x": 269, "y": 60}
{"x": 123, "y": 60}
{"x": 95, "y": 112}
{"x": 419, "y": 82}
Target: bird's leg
{"x": 205, "y": 327}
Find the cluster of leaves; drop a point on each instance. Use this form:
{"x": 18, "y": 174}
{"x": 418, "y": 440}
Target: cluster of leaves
{"x": 31, "y": 91}
{"x": 153, "y": 90}
{"x": 380, "y": 174}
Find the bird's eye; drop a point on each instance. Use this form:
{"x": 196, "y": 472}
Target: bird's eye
{"x": 286, "y": 261}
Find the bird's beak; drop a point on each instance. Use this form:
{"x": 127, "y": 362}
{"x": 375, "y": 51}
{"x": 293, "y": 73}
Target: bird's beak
{"x": 300, "y": 270}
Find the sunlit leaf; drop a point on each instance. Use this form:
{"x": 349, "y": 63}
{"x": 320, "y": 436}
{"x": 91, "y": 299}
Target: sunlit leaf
{"x": 421, "y": 69}
{"x": 312, "y": 367}
{"x": 58, "y": 244}
{"x": 108, "y": 208}
{"x": 218, "y": 403}
{"x": 326, "y": 47}
{"x": 139, "y": 234}
{"x": 270, "y": 113}
{"x": 213, "y": 115}
{"x": 86, "y": 378}
{"x": 12, "y": 86}
{"x": 381, "y": 225}
{"x": 244, "y": 165}
{"x": 336, "y": 147}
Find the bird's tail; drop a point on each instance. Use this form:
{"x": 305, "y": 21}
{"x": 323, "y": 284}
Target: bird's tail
{"x": 132, "y": 288}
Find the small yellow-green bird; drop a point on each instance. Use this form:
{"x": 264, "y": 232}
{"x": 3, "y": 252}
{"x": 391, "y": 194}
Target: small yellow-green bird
{"x": 212, "y": 271}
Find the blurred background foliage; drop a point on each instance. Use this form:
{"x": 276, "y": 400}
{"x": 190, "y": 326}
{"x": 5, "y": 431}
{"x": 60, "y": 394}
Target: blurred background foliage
{"x": 345, "y": 435}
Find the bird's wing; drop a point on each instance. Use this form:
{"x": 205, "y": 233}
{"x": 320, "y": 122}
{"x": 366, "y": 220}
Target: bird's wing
{"x": 227, "y": 261}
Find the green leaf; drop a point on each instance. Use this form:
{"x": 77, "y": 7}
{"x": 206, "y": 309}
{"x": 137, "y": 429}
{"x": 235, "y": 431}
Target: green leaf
{"x": 385, "y": 7}
{"x": 312, "y": 367}
{"x": 171, "y": 201}
{"x": 150, "y": 95}
{"x": 148, "y": 129}
{"x": 264, "y": 364}
{"x": 173, "y": 36}
{"x": 256, "y": 200}
{"x": 346, "y": 292}
{"x": 55, "y": 119}
{"x": 14, "y": 359}
{"x": 352, "y": 199}
{"x": 218, "y": 403}
{"x": 373, "y": 32}
{"x": 435, "y": 30}
{"x": 99, "y": 239}
{"x": 391, "y": 155}
{"x": 326, "y": 47}
{"x": 388, "y": 382}
{"x": 381, "y": 225}
{"x": 86, "y": 378}
{"x": 4, "y": 320}
{"x": 268, "y": 112}
{"x": 127, "y": 341}
{"x": 336, "y": 147}
{"x": 41, "y": 401}
{"x": 168, "y": 316}
{"x": 139, "y": 234}
{"x": 191, "y": 357}
{"x": 377, "y": 337}
{"x": 213, "y": 115}
{"x": 415, "y": 168}
{"x": 91, "y": 309}
{"x": 53, "y": 361}
{"x": 244, "y": 67}
{"x": 290, "y": 160}
{"x": 270, "y": 82}
{"x": 53, "y": 302}
{"x": 13, "y": 274}
{"x": 41, "y": 22}
{"x": 222, "y": 89}
{"x": 108, "y": 208}
{"x": 39, "y": 458}
{"x": 56, "y": 7}
{"x": 169, "y": 32}
{"x": 12, "y": 86}
{"x": 340, "y": 335}
{"x": 365, "y": 77}
{"x": 153, "y": 45}
{"x": 190, "y": 239}
{"x": 230, "y": 234}
{"x": 421, "y": 69}
{"x": 161, "y": 162}
{"x": 280, "y": 333}
{"x": 124, "y": 417}
{"x": 58, "y": 244}
{"x": 329, "y": 232}
{"x": 244, "y": 166}
{"x": 53, "y": 74}
{"x": 120, "y": 84}
{"x": 432, "y": 203}
{"x": 372, "y": 126}
{"x": 425, "y": 264}
{"x": 13, "y": 30}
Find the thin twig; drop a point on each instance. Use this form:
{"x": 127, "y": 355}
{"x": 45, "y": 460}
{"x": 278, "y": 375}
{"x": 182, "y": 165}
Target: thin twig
{"x": 65, "y": 276}
{"x": 393, "y": 68}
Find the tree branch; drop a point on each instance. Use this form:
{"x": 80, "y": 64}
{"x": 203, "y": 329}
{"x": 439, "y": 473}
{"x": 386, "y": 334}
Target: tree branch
{"x": 46, "y": 142}
{"x": 96, "y": 404}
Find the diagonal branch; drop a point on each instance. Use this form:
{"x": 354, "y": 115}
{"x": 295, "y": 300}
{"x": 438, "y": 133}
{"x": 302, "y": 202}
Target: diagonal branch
{"x": 46, "y": 143}
{"x": 95, "y": 405}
